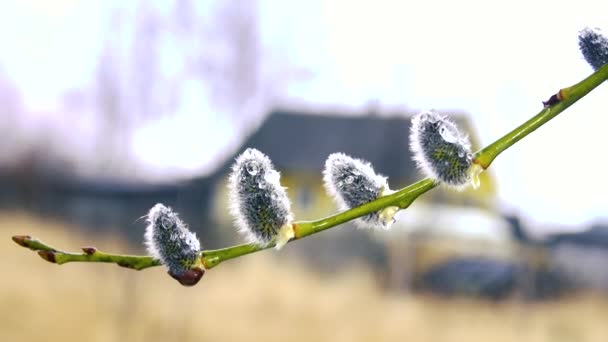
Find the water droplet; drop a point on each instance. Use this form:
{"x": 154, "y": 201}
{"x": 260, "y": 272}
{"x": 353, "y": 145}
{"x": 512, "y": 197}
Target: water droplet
{"x": 349, "y": 180}
{"x": 166, "y": 223}
{"x": 262, "y": 185}
{"x": 272, "y": 176}
{"x": 252, "y": 168}
{"x": 448, "y": 132}
{"x": 340, "y": 183}
{"x": 428, "y": 116}
{"x": 461, "y": 153}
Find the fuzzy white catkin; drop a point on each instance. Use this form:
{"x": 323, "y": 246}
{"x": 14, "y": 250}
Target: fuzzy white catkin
{"x": 258, "y": 202}
{"x": 440, "y": 150}
{"x": 594, "y": 47}
{"x": 168, "y": 239}
{"x": 352, "y": 182}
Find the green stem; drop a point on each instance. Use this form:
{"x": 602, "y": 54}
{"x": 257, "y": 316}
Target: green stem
{"x": 567, "y": 97}
{"x": 90, "y": 254}
{"x": 401, "y": 199}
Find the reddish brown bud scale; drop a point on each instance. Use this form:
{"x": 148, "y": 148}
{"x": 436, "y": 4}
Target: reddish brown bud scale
{"x": 89, "y": 250}
{"x": 555, "y": 98}
{"x": 22, "y": 240}
{"x": 188, "y": 278}
{"x": 48, "y": 256}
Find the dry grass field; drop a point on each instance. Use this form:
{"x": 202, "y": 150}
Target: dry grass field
{"x": 254, "y": 298}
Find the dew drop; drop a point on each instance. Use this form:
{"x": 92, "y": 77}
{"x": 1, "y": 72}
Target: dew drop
{"x": 349, "y": 180}
{"x": 166, "y": 223}
{"x": 461, "y": 153}
{"x": 448, "y": 133}
{"x": 429, "y": 117}
{"x": 272, "y": 176}
{"x": 252, "y": 168}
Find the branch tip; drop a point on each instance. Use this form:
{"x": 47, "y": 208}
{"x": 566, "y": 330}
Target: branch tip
{"x": 22, "y": 240}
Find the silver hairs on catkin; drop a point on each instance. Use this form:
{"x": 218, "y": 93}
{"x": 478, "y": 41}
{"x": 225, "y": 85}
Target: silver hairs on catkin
{"x": 168, "y": 239}
{"x": 594, "y": 47}
{"x": 353, "y": 182}
{"x": 258, "y": 202}
{"x": 440, "y": 150}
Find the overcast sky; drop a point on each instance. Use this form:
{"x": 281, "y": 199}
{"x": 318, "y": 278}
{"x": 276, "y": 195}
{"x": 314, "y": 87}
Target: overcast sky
{"x": 496, "y": 61}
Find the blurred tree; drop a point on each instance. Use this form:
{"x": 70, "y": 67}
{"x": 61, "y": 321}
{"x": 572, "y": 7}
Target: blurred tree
{"x": 155, "y": 52}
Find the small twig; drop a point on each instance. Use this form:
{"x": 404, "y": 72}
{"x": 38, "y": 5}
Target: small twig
{"x": 91, "y": 254}
{"x": 402, "y": 198}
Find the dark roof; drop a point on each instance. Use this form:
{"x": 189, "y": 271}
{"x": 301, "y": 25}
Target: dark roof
{"x": 299, "y": 141}
{"x": 596, "y": 236}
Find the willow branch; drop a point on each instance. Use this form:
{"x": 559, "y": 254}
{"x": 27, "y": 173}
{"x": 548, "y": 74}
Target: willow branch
{"x": 402, "y": 198}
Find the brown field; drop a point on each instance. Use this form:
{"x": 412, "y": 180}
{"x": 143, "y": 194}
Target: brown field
{"x": 254, "y": 298}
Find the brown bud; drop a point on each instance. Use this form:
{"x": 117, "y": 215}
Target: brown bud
{"x": 48, "y": 256}
{"x": 89, "y": 250}
{"x": 22, "y": 240}
{"x": 189, "y": 277}
{"x": 554, "y": 99}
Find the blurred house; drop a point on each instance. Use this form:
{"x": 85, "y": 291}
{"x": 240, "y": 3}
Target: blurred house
{"x": 443, "y": 233}
{"x": 298, "y": 144}
{"x": 449, "y": 243}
